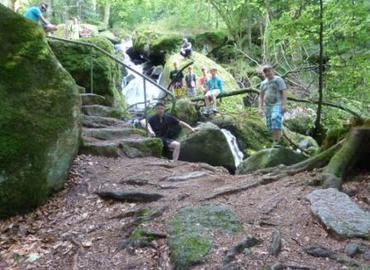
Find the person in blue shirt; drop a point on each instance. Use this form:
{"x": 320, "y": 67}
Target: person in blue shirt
{"x": 35, "y": 14}
{"x": 214, "y": 89}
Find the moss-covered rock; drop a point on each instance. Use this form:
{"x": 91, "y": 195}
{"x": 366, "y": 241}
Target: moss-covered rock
{"x": 208, "y": 145}
{"x": 155, "y": 45}
{"x": 107, "y": 77}
{"x": 209, "y": 41}
{"x": 191, "y": 232}
{"x": 304, "y": 142}
{"x": 185, "y": 111}
{"x": 200, "y": 61}
{"x": 269, "y": 158}
{"x": 248, "y": 127}
{"x": 39, "y": 116}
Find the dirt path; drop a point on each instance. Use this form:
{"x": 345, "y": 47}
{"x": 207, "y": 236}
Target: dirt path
{"x": 76, "y": 229}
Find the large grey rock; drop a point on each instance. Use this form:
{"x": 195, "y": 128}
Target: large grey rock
{"x": 269, "y": 158}
{"x": 208, "y": 145}
{"x": 39, "y": 116}
{"x": 339, "y": 213}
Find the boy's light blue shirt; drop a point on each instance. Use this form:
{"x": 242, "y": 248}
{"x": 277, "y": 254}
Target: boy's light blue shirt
{"x": 33, "y": 14}
{"x": 215, "y": 83}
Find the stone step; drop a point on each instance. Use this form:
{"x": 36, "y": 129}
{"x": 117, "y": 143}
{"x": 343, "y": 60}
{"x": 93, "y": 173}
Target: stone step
{"x": 130, "y": 147}
{"x": 93, "y": 99}
{"x": 102, "y": 122}
{"x": 111, "y": 133}
{"x": 99, "y": 110}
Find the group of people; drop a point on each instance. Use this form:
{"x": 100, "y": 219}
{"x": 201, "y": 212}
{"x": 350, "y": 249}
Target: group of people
{"x": 210, "y": 85}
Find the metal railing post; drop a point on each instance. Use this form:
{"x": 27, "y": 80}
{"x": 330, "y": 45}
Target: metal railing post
{"x": 91, "y": 71}
{"x": 145, "y": 108}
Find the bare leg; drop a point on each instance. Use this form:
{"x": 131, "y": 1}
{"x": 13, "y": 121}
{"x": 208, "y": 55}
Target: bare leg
{"x": 276, "y": 135}
{"x": 175, "y": 147}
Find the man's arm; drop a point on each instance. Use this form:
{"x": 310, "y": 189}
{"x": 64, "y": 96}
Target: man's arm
{"x": 185, "y": 125}
{"x": 44, "y": 21}
{"x": 261, "y": 102}
{"x": 150, "y": 129}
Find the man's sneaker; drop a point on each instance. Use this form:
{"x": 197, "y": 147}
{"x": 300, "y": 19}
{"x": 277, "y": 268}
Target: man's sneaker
{"x": 214, "y": 110}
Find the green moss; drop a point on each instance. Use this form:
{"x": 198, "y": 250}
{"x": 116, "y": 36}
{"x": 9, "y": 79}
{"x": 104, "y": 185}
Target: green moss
{"x": 191, "y": 232}
{"x": 39, "y": 112}
{"x": 186, "y": 111}
{"x": 107, "y": 74}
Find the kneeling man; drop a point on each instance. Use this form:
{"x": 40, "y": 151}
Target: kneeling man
{"x": 159, "y": 126}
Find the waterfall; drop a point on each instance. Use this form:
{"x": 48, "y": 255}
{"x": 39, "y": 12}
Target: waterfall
{"x": 233, "y": 144}
{"x": 133, "y": 85}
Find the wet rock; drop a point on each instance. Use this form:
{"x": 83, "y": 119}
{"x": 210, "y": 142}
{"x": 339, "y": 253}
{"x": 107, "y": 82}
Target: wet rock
{"x": 269, "y": 158}
{"x": 367, "y": 255}
{"x": 352, "y": 249}
{"x": 208, "y": 145}
{"x": 191, "y": 232}
{"x": 275, "y": 247}
{"x": 339, "y": 213}
{"x": 277, "y": 266}
{"x": 130, "y": 196}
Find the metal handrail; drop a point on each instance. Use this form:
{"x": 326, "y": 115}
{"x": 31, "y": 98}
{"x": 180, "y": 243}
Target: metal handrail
{"x": 114, "y": 58}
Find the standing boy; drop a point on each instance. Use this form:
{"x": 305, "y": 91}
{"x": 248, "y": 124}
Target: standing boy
{"x": 191, "y": 82}
{"x": 273, "y": 102}
{"x": 176, "y": 78}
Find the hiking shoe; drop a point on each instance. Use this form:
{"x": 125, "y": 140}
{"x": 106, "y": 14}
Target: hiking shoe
{"x": 214, "y": 110}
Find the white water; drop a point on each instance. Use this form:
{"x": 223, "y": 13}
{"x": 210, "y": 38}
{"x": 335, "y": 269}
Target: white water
{"x": 134, "y": 90}
{"x": 231, "y": 140}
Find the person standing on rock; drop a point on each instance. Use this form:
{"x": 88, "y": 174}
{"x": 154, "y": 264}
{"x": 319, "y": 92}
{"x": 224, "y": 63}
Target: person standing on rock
{"x": 214, "y": 89}
{"x": 273, "y": 102}
{"x": 176, "y": 78}
{"x": 203, "y": 80}
{"x": 35, "y": 14}
{"x": 159, "y": 126}
{"x": 191, "y": 82}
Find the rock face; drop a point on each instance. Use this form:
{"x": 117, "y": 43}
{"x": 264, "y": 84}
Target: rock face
{"x": 191, "y": 232}
{"x": 269, "y": 158}
{"x": 339, "y": 213}
{"x": 185, "y": 111}
{"x": 107, "y": 77}
{"x": 39, "y": 116}
{"x": 200, "y": 61}
{"x": 208, "y": 145}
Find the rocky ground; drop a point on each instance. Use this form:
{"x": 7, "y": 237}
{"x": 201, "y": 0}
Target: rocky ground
{"x": 83, "y": 228}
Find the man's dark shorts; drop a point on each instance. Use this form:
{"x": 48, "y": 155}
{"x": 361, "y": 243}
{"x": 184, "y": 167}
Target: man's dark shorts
{"x": 166, "y": 143}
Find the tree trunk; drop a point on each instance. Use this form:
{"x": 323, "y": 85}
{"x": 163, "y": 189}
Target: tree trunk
{"x": 107, "y": 9}
{"x": 356, "y": 147}
{"x": 317, "y": 130}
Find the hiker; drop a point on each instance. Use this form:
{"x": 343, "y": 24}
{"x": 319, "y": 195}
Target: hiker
{"x": 35, "y": 14}
{"x": 186, "y": 48}
{"x": 273, "y": 102}
{"x": 159, "y": 126}
{"x": 214, "y": 89}
{"x": 191, "y": 82}
{"x": 203, "y": 80}
{"x": 176, "y": 78}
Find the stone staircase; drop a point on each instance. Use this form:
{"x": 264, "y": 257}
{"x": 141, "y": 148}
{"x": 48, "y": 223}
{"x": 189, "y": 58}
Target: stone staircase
{"x": 104, "y": 134}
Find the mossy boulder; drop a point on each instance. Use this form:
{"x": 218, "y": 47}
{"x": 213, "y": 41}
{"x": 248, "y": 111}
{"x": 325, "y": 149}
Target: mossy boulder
{"x": 192, "y": 229}
{"x": 208, "y": 145}
{"x": 39, "y": 116}
{"x": 304, "y": 142}
{"x": 186, "y": 111}
{"x": 155, "y": 45}
{"x": 107, "y": 77}
{"x": 248, "y": 127}
{"x": 207, "y": 42}
{"x": 270, "y": 158}
{"x": 200, "y": 61}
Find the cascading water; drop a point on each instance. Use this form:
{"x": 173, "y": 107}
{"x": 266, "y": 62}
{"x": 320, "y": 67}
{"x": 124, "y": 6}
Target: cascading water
{"x": 234, "y": 147}
{"x": 133, "y": 85}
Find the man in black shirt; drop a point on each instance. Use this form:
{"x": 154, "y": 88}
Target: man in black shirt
{"x": 159, "y": 125}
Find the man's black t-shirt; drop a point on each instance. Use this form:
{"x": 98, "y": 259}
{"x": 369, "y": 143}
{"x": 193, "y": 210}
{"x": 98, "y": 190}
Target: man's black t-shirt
{"x": 162, "y": 125}
{"x": 173, "y": 76}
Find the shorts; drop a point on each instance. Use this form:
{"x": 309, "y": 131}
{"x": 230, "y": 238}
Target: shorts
{"x": 191, "y": 92}
{"x": 179, "y": 92}
{"x": 213, "y": 92}
{"x": 166, "y": 143}
{"x": 274, "y": 117}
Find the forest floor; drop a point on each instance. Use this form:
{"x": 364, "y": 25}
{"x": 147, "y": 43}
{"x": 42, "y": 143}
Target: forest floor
{"x": 76, "y": 229}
